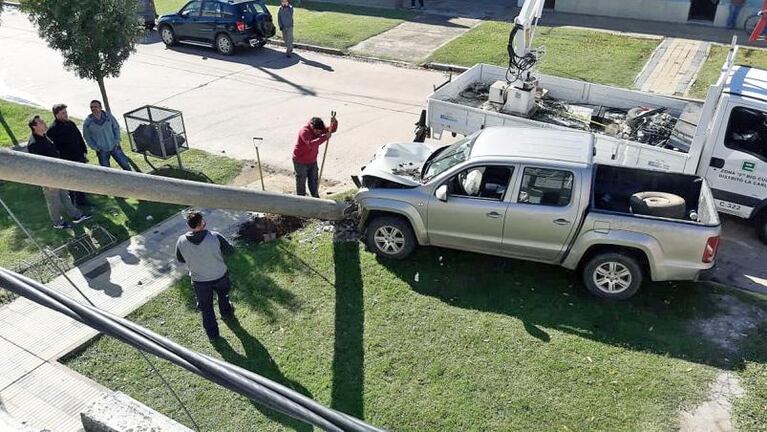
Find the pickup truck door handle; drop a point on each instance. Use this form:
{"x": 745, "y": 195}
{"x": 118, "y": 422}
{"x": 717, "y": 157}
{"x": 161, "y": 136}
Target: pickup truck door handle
{"x": 494, "y": 215}
{"x": 561, "y": 221}
{"x": 716, "y": 162}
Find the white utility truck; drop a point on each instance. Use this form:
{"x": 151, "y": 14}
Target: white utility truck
{"x": 723, "y": 139}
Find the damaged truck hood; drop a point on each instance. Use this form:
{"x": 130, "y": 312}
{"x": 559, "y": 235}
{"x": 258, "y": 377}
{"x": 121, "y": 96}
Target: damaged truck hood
{"x": 399, "y": 163}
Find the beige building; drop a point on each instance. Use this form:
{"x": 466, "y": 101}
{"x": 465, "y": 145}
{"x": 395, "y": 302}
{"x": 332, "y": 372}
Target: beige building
{"x": 713, "y": 12}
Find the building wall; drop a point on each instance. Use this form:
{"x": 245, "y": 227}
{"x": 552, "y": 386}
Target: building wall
{"x": 653, "y": 10}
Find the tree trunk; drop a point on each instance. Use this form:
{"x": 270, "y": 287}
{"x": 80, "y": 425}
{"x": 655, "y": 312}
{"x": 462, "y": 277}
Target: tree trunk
{"x": 103, "y": 90}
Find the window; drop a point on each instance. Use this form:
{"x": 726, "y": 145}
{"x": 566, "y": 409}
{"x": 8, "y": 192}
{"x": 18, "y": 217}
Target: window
{"x": 253, "y": 8}
{"x": 228, "y": 11}
{"x": 488, "y": 182}
{"x": 449, "y": 157}
{"x": 211, "y": 10}
{"x": 191, "y": 9}
{"x": 747, "y": 132}
{"x": 546, "y": 187}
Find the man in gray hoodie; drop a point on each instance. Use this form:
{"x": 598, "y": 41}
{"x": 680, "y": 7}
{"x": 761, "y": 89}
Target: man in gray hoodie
{"x": 285, "y": 21}
{"x": 102, "y": 133}
{"x": 203, "y": 251}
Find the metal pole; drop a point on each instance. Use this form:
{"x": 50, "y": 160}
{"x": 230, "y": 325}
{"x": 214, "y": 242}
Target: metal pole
{"x": 325, "y": 154}
{"x": 31, "y": 169}
{"x": 258, "y": 159}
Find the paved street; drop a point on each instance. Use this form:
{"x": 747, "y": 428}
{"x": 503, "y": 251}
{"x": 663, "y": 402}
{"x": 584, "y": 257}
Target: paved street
{"x": 228, "y": 100}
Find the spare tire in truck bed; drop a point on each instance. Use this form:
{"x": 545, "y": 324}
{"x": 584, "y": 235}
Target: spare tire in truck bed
{"x": 661, "y": 204}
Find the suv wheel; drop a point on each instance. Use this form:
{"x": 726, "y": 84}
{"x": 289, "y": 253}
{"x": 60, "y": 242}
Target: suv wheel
{"x": 614, "y": 276}
{"x": 224, "y": 44}
{"x": 390, "y": 237}
{"x": 168, "y": 36}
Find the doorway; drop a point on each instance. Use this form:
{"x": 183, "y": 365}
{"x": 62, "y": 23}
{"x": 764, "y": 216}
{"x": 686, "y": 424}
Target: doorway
{"x": 702, "y": 10}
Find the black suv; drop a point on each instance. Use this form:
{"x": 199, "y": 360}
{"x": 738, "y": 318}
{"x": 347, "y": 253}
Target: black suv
{"x": 218, "y": 23}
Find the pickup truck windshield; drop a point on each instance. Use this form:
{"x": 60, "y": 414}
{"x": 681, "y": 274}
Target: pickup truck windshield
{"x": 449, "y": 157}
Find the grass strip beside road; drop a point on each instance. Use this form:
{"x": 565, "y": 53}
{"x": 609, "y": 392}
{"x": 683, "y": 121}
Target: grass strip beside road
{"x": 586, "y": 55}
{"x": 443, "y": 341}
{"x": 711, "y": 69}
{"x": 121, "y": 217}
{"x": 326, "y": 24}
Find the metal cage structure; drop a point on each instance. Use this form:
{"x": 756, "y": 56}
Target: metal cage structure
{"x": 157, "y": 131}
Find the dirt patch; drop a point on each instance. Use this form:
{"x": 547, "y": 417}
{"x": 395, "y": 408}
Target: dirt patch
{"x": 279, "y": 180}
{"x": 729, "y": 327}
{"x": 713, "y": 415}
{"x": 266, "y": 227}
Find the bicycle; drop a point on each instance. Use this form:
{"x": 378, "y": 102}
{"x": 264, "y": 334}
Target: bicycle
{"x": 750, "y": 24}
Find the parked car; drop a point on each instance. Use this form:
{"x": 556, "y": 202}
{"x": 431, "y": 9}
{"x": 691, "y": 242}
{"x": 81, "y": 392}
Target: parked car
{"x": 147, "y": 14}
{"x": 224, "y": 25}
{"x": 536, "y": 194}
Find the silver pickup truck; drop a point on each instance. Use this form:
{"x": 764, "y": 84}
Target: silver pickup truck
{"x": 535, "y": 194}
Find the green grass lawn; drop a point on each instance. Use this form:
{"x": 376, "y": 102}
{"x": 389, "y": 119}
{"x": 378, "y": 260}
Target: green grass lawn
{"x": 122, "y": 217}
{"x": 571, "y": 53}
{"x": 444, "y": 341}
{"x": 709, "y": 72}
{"x": 327, "y": 24}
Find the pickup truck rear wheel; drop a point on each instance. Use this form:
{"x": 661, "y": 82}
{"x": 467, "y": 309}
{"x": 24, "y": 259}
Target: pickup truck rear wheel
{"x": 390, "y": 237}
{"x": 614, "y": 276}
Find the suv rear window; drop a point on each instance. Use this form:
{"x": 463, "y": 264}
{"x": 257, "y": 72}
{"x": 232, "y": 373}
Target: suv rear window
{"x": 252, "y": 8}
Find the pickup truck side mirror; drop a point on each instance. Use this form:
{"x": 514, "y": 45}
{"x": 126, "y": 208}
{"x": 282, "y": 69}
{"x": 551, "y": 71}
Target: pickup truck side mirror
{"x": 441, "y": 193}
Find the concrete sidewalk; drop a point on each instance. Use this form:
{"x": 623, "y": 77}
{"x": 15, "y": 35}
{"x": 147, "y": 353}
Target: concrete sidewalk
{"x": 34, "y": 387}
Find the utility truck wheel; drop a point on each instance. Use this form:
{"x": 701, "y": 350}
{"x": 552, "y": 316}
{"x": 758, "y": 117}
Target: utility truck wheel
{"x": 613, "y": 276}
{"x": 761, "y": 227}
{"x": 659, "y": 204}
{"x": 390, "y": 237}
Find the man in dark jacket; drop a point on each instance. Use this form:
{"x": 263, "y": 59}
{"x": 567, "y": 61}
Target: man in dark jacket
{"x": 310, "y": 138}
{"x": 58, "y": 200}
{"x": 203, "y": 251}
{"x": 70, "y": 144}
{"x": 285, "y": 21}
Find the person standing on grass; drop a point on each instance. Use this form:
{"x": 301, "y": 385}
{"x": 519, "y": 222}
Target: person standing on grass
{"x": 102, "y": 133}
{"x": 735, "y": 7}
{"x": 412, "y": 4}
{"x": 285, "y": 21}
{"x": 70, "y": 144}
{"x": 203, "y": 251}
{"x": 58, "y": 200}
{"x": 310, "y": 138}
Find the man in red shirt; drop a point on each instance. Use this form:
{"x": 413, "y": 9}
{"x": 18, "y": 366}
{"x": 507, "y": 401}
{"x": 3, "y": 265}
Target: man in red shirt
{"x": 310, "y": 138}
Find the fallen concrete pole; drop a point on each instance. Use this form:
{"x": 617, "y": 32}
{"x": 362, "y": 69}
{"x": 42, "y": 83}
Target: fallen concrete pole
{"x": 31, "y": 169}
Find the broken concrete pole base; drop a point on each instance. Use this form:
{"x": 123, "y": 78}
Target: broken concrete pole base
{"x": 117, "y": 412}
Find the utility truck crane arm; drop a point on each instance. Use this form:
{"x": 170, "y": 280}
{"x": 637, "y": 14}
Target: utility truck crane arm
{"x": 522, "y": 56}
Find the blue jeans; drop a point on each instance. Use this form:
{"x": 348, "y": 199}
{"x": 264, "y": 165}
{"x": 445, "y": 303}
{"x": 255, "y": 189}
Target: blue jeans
{"x": 732, "y": 19}
{"x": 118, "y": 154}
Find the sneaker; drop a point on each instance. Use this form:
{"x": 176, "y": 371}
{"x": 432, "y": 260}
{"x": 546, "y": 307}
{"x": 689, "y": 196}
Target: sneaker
{"x": 61, "y": 225}
{"x": 81, "y": 219}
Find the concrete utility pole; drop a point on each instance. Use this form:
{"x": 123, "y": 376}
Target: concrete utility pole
{"x": 31, "y": 169}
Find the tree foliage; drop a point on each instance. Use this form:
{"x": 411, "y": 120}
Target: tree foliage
{"x": 95, "y": 37}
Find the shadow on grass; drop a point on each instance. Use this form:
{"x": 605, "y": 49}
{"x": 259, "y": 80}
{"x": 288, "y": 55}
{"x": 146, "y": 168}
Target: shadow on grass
{"x": 257, "y": 359}
{"x": 662, "y": 318}
{"x": 348, "y": 351}
{"x": 250, "y": 283}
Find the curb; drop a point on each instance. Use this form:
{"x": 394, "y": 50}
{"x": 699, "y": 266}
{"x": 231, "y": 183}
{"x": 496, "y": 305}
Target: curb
{"x": 445, "y": 67}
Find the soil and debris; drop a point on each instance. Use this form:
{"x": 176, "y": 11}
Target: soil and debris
{"x": 653, "y": 126}
{"x": 263, "y": 227}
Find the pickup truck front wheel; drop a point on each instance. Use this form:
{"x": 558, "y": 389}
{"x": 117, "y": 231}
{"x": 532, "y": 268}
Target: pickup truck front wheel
{"x": 390, "y": 237}
{"x": 614, "y": 276}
